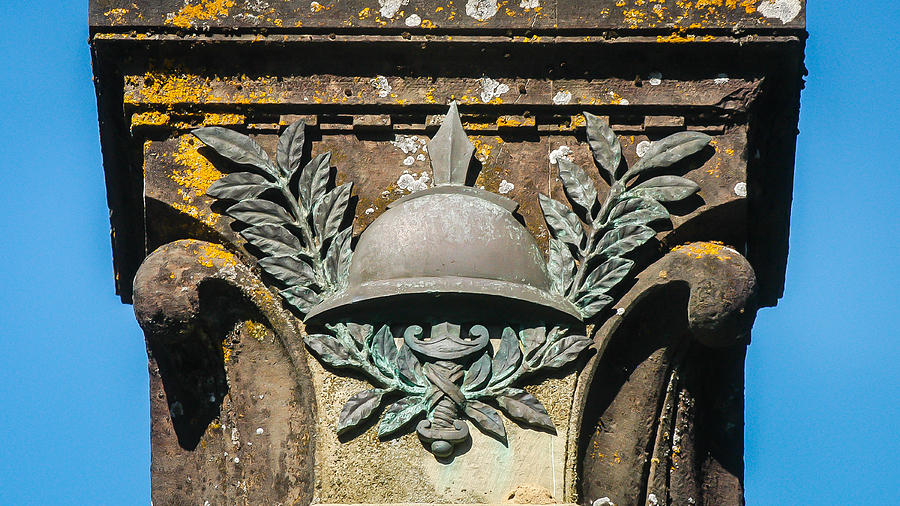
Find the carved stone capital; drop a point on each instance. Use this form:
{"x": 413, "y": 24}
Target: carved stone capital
{"x": 396, "y": 253}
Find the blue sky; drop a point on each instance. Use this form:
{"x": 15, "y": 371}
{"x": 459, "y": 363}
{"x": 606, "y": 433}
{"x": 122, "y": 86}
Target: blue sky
{"x": 822, "y": 372}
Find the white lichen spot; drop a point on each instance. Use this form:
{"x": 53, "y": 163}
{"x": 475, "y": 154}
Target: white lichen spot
{"x": 491, "y": 89}
{"x": 481, "y": 10}
{"x": 248, "y": 18}
{"x": 652, "y": 500}
{"x": 389, "y": 8}
{"x": 409, "y": 160}
{"x": 642, "y": 148}
{"x": 691, "y": 500}
{"x": 620, "y": 311}
{"x": 420, "y": 157}
{"x": 315, "y": 6}
{"x": 721, "y": 78}
{"x": 406, "y": 143}
{"x": 655, "y": 78}
{"x": 740, "y": 189}
{"x": 381, "y": 86}
{"x": 604, "y": 501}
{"x": 410, "y": 183}
{"x": 562, "y": 97}
{"x": 237, "y": 460}
{"x": 785, "y": 10}
{"x": 505, "y": 187}
{"x": 370, "y": 210}
{"x": 624, "y": 101}
{"x": 530, "y": 4}
{"x": 413, "y": 20}
{"x": 259, "y": 431}
{"x": 257, "y": 6}
{"x": 560, "y": 152}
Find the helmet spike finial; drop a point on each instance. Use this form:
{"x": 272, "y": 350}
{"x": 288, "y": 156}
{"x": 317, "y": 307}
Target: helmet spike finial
{"x": 450, "y": 150}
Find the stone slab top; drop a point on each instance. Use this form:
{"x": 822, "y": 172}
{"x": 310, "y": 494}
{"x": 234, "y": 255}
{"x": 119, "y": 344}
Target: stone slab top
{"x": 675, "y": 17}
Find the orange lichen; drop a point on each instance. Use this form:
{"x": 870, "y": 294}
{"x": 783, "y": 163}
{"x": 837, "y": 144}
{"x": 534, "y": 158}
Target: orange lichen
{"x": 226, "y": 351}
{"x": 701, "y": 249}
{"x": 515, "y": 121}
{"x": 205, "y": 10}
{"x": 149, "y": 118}
{"x": 676, "y": 38}
{"x": 193, "y": 181}
{"x": 482, "y": 149}
{"x": 173, "y": 88}
{"x": 634, "y": 17}
{"x": 209, "y": 254}
{"x": 116, "y": 16}
{"x": 198, "y": 174}
{"x": 224, "y": 119}
{"x": 255, "y": 330}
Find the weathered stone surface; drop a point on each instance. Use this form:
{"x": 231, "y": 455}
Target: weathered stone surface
{"x": 658, "y": 372}
{"x": 232, "y": 408}
{"x": 420, "y": 15}
{"x": 658, "y": 408}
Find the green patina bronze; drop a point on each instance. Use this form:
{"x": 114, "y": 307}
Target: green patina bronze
{"x": 588, "y": 251}
{"x": 448, "y": 286}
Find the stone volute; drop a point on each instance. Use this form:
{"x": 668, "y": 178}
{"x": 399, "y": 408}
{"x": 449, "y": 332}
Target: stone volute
{"x": 452, "y": 247}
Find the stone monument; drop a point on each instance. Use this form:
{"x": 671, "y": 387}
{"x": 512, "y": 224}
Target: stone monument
{"x": 458, "y": 252}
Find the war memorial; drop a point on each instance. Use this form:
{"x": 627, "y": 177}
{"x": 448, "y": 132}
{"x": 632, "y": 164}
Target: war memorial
{"x": 391, "y": 252}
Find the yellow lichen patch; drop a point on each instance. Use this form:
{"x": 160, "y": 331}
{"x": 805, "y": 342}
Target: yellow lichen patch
{"x": 617, "y": 99}
{"x": 365, "y": 13}
{"x": 255, "y": 330}
{"x": 224, "y": 119}
{"x": 167, "y": 89}
{"x": 514, "y": 121}
{"x": 701, "y": 249}
{"x": 717, "y": 170}
{"x": 205, "y": 10}
{"x": 193, "y": 180}
{"x": 198, "y": 174}
{"x": 577, "y": 121}
{"x": 427, "y": 23}
{"x": 226, "y": 351}
{"x": 208, "y": 219}
{"x": 208, "y": 255}
{"x": 149, "y": 118}
{"x": 482, "y": 149}
{"x": 116, "y": 16}
{"x": 676, "y": 38}
{"x": 174, "y": 88}
{"x": 634, "y": 17}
